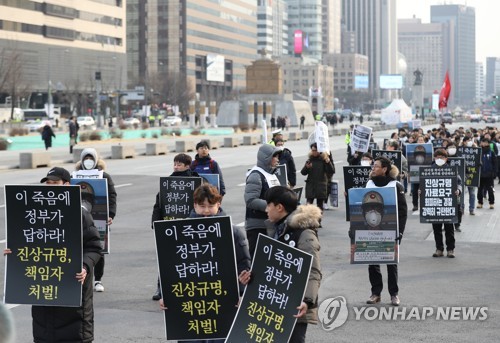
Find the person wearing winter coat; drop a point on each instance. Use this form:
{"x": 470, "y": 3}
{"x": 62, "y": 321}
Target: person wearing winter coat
{"x": 89, "y": 160}
{"x": 296, "y": 226}
{"x": 207, "y": 201}
{"x": 488, "y": 173}
{"x": 259, "y": 179}
{"x": 47, "y": 134}
{"x": 71, "y": 324}
{"x": 317, "y": 168}
{"x": 286, "y": 158}
{"x": 384, "y": 174}
{"x": 182, "y": 164}
{"x": 204, "y": 164}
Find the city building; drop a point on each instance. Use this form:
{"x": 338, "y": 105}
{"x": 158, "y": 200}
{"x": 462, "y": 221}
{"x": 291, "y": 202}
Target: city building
{"x": 480, "y": 83}
{"x": 202, "y": 44}
{"x": 318, "y": 22}
{"x": 345, "y": 69}
{"x": 422, "y": 45}
{"x": 492, "y": 75}
{"x": 375, "y": 26}
{"x": 272, "y": 27}
{"x": 72, "y": 50}
{"x": 300, "y": 75}
{"x": 460, "y": 50}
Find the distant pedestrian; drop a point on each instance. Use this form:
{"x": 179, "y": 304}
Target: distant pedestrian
{"x": 73, "y": 133}
{"x": 47, "y": 134}
{"x": 302, "y": 120}
{"x": 273, "y": 123}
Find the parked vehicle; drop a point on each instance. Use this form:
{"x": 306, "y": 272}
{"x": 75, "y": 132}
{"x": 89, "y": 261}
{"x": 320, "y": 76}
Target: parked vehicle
{"x": 85, "y": 122}
{"x": 446, "y": 118}
{"x": 131, "y": 122}
{"x": 172, "y": 120}
{"x": 35, "y": 125}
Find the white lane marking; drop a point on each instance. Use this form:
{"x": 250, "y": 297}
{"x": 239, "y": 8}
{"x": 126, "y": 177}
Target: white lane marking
{"x": 123, "y": 185}
{"x": 2, "y": 206}
{"x": 241, "y": 224}
{"x": 3, "y": 241}
{"x": 242, "y": 184}
{"x": 11, "y": 306}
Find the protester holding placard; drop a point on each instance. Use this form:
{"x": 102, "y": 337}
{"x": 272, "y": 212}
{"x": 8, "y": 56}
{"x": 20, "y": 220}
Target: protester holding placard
{"x": 204, "y": 164}
{"x": 207, "y": 202}
{"x": 62, "y": 323}
{"x": 259, "y": 179}
{"x": 318, "y": 167}
{"x": 182, "y": 167}
{"x": 441, "y": 161}
{"x": 297, "y": 227}
{"x": 384, "y": 174}
{"x": 468, "y": 142}
{"x": 89, "y": 160}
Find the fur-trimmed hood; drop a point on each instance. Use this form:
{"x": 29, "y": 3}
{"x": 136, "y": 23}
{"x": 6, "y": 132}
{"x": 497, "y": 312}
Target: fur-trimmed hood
{"x": 305, "y": 217}
{"x": 393, "y": 173}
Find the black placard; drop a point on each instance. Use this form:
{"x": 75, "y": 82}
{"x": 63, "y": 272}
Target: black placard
{"x": 354, "y": 177}
{"x": 281, "y": 174}
{"x": 459, "y": 163}
{"x": 438, "y": 202}
{"x": 44, "y": 233}
{"x": 472, "y": 158}
{"x": 279, "y": 278}
{"x": 176, "y": 195}
{"x": 393, "y": 155}
{"x": 198, "y": 276}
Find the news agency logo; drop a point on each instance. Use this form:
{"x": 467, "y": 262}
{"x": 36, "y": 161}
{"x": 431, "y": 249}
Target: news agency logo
{"x": 333, "y": 313}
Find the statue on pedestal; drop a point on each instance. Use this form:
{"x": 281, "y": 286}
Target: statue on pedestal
{"x": 418, "y": 77}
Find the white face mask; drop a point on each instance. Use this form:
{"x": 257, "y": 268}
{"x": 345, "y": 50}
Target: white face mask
{"x": 88, "y": 164}
{"x": 440, "y": 162}
{"x": 469, "y": 143}
{"x": 373, "y": 218}
{"x": 452, "y": 151}
{"x": 280, "y": 147}
{"x": 365, "y": 163}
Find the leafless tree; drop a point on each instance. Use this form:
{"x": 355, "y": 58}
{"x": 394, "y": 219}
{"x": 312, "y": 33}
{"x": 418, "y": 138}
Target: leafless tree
{"x": 11, "y": 75}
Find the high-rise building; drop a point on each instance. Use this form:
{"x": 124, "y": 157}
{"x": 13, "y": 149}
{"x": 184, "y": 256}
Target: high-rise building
{"x": 375, "y": 26}
{"x": 480, "y": 83}
{"x": 460, "y": 50}
{"x": 272, "y": 27}
{"x": 492, "y": 75}
{"x": 422, "y": 45}
{"x": 345, "y": 69}
{"x": 207, "y": 43}
{"x": 319, "y": 21}
{"x": 70, "y": 49}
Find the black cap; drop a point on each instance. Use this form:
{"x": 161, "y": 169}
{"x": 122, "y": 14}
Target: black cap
{"x": 57, "y": 174}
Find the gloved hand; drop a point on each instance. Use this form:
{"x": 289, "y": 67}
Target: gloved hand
{"x": 351, "y": 234}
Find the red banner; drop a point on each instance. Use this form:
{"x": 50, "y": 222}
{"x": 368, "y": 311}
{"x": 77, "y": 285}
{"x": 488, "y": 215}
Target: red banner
{"x": 445, "y": 92}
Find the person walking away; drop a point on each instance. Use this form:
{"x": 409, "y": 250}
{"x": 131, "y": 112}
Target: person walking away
{"x": 302, "y": 121}
{"x": 487, "y": 175}
{"x": 47, "y": 134}
{"x": 89, "y": 160}
{"x": 73, "y": 133}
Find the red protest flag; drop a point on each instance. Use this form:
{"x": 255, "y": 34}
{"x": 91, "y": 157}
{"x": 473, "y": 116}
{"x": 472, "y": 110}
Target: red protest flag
{"x": 445, "y": 92}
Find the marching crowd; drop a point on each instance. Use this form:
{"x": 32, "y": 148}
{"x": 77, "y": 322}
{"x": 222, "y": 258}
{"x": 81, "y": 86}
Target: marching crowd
{"x": 273, "y": 209}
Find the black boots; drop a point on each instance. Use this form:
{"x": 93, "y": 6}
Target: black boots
{"x": 157, "y": 295}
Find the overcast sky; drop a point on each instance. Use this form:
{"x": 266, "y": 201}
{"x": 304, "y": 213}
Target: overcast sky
{"x": 487, "y": 21}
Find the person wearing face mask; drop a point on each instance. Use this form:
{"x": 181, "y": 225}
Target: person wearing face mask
{"x": 419, "y": 153}
{"x": 89, "y": 160}
{"x": 441, "y": 160}
{"x": 366, "y": 159}
{"x": 384, "y": 174}
{"x": 451, "y": 149}
{"x": 286, "y": 158}
{"x": 487, "y": 175}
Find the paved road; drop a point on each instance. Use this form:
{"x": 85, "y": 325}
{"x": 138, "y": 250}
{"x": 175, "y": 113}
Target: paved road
{"x": 125, "y": 313}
